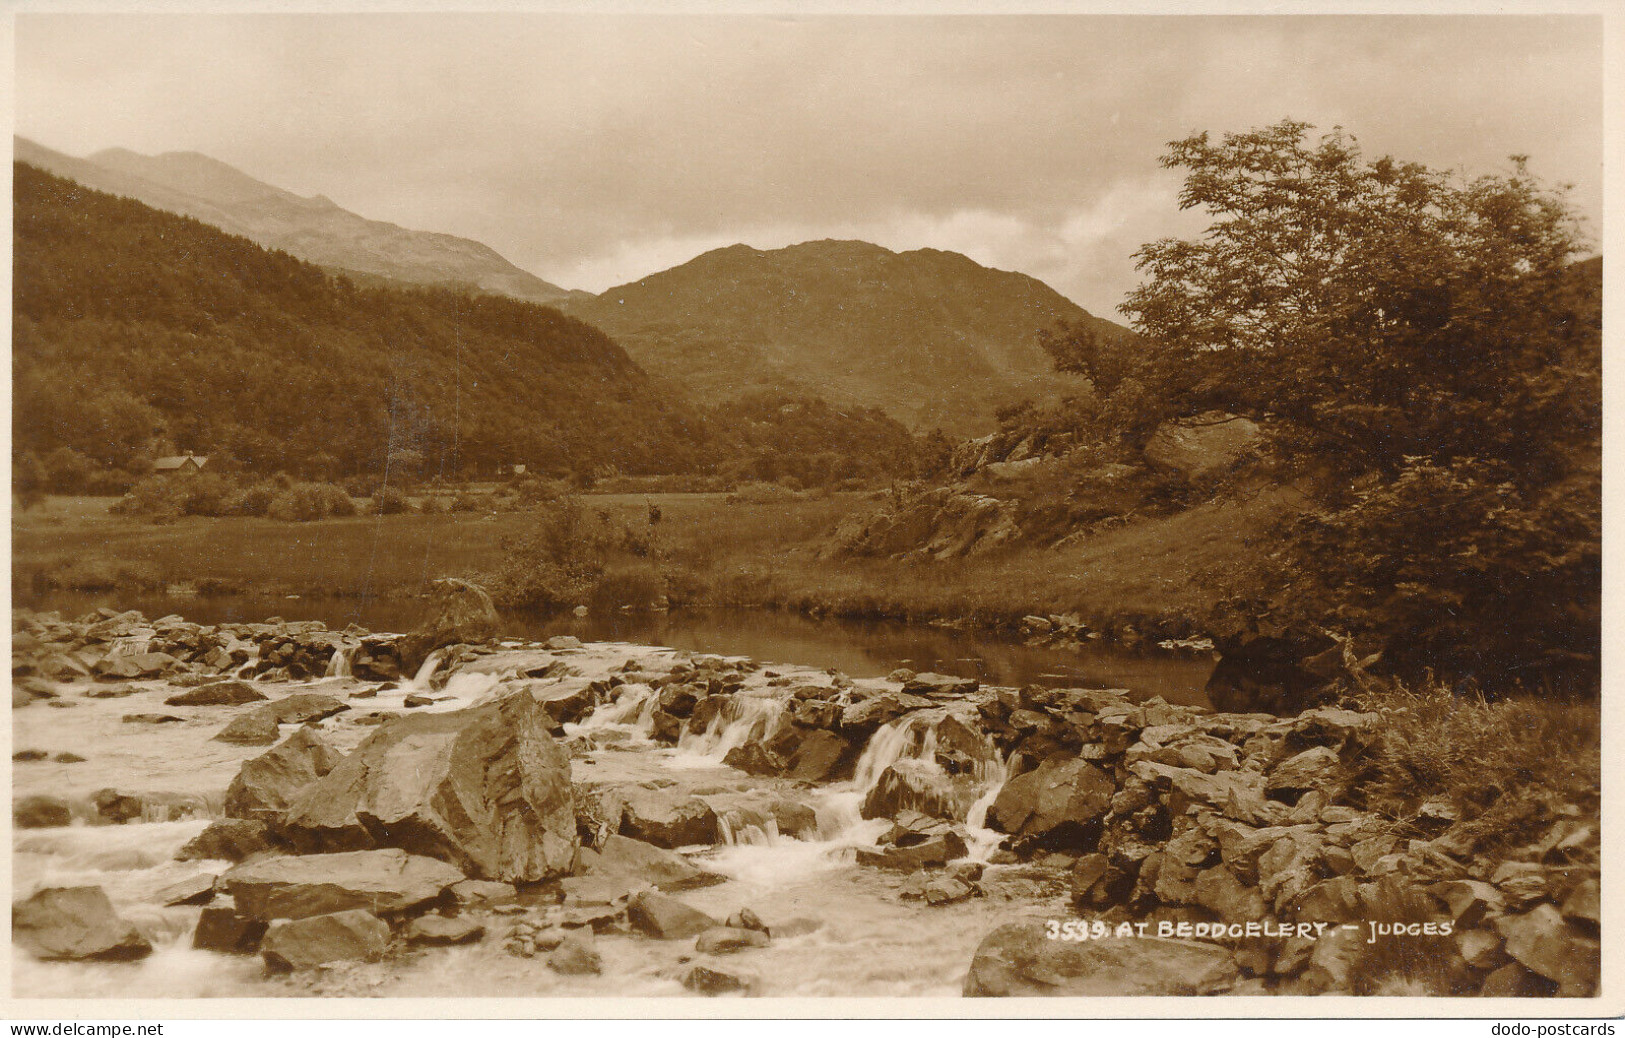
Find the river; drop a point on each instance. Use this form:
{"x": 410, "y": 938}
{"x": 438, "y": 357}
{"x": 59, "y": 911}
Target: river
{"x": 858, "y": 648}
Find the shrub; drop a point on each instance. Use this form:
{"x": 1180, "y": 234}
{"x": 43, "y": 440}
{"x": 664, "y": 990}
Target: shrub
{"x": 467, "y": 502}
{"x": 254, "y": 500}
{"x": 306, "y": 502}
{"x": 555, "y": 565}
{"x": 1510, "y": 767}
{"x": 391, "y": 501}
{"x": 206, "y": 494}
{"x": 156, "y": 498}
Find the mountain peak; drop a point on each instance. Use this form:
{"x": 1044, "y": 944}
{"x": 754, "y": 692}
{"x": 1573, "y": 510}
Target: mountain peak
{"x": 315, "y": 229}
{"x": 928, "y": 336}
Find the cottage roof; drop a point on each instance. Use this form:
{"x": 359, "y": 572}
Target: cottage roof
{"x": 179, "y": 461}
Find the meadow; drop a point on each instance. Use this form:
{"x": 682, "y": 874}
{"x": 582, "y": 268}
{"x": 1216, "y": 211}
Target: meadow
{"x": 705, "y": 549}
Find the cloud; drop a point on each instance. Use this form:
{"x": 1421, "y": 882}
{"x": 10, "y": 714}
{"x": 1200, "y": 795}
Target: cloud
{"x": 596, "y": 149}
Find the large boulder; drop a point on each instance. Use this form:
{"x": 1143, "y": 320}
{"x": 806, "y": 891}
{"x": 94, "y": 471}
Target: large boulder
{"x": 1020, "y": 959}
{"x": 1061, "y": 802}
{"x": 463, "y": 613}
{"x": 666, "y": 819}
{"x": 348, "y": 936}
{"x": 294, "y": 887}
{"x": 75, "y": 923}
{"x": 265, "y": 785}
{"x": 486, "y": 789}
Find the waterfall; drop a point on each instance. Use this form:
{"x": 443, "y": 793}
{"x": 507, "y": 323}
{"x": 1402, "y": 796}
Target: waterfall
{"x": 905, "y": 737}
{"x": 631, "y": 711}
{"x": 420, "y": 680}
{"x": 744, "y": 719}
{"x": 747, "y": 835}
{"x": 338, "y": 666}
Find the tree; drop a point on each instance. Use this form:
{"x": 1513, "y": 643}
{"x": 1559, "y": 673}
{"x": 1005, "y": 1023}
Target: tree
{"x": 1413, "y": 338}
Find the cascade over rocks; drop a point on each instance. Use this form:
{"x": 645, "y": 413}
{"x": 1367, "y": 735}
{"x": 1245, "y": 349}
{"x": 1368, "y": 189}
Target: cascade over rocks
{"x": 486, "y": 789}
{"x": 1149, "y": 812}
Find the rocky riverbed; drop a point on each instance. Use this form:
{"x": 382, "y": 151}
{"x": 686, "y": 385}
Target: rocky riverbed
{"x": 279, "y": 809}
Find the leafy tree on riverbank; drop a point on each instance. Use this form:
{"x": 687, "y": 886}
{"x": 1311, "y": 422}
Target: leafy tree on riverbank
{"x": 1420, "y": 348}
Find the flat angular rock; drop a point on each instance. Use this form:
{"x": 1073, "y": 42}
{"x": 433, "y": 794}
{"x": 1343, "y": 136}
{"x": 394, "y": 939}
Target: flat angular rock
{"x": 1060, "y": 798}
{"x": 1584, "y": 903}
{"x": 1018, "y": 959}
{"x": 223, "y": 930}
{"x": 622, "y": 856}
{"x": 251, "y": 729}
{"x": 940, "y": 686}
{"x": 725, "y": 940}
{"x": 863, "y": 718}
{"x": 193, "y": 890}
{"x": 576, "y": 955}
{"x": 1314, "y": 768}
{"x": 153, "y": 719}
{"x": 302, "y": 708}
{"x": 265, "y": 785}
{"x": 486, "y": 789}
{"x": 219, "y": 693}
{"x": 1543, "y": 942}
{"x": 711, "y": 979}
{"x": 1469, "y": 900}
{"x": 230, "y": 839}
{"x": 934, "y": 851}
{"x": 294, "y": 887}
{"x": 667, "y": 819}
{"x": 483, "y": 892}
{"x": 438, "y": 929}
{"x": 349, "y": 936}
{"x": 75, "y": 923}
{"x": 40, "y": 812}
{"x": 666, "y": 918}
{"x": 946, "y": 890}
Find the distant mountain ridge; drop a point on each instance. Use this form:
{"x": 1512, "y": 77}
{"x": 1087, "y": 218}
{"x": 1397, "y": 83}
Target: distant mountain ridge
{"x": 930, "y": 337}
{"x": 313, "y": 229}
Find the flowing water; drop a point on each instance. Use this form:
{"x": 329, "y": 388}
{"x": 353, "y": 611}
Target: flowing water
{"x": 865, "y": 940}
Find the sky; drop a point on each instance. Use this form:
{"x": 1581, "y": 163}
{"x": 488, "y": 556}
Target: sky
{"x": 595, "y": 149}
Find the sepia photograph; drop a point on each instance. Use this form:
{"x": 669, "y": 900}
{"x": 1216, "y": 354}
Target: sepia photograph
{"x": 784, "y": 504}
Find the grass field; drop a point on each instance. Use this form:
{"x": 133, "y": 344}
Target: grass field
{"x": 708, "y": 550}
